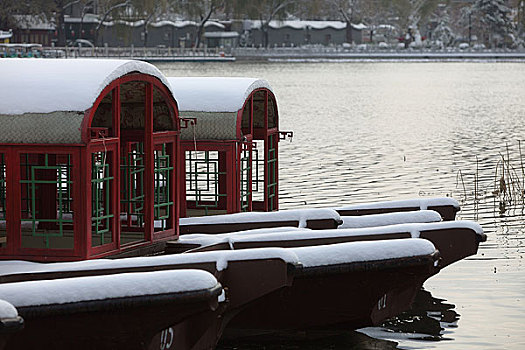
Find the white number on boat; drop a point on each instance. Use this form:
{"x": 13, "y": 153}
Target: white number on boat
{"x": 166, "y": 339}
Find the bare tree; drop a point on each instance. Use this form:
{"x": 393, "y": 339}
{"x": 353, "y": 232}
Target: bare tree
{"x": 106, "y": 8}
{"x": 202, "y": 11}
{"x": 265, "y": 11}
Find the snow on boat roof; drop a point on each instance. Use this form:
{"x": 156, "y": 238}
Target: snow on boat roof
{"x": 220, "y": 258}
{"x": 307, "y": 256}
{"x": 344, "y": 253}
{"x": 79, "y": 289}
{"x": 390, "y": 219}
{"x": 300, "y": 215}
{"x": 301, "y": 234}
{"x": 45, "y": 86}
{"x": 214, "y": 94}
{"x": 422, "y": 203}
{"x": 7, "y": 310}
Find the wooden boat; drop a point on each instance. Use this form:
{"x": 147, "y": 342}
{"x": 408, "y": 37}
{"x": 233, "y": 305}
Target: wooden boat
{"x": 447, "y": 207}
{"x": 349, "y": 294}
{"x": 454, "y": 239}
{"x": 192, "y": 319}
{"x": 119, "y": 311}
{"x": 253, "y": 280}
{"x": 100, "y": 171}
{"x": 236, "y": 105}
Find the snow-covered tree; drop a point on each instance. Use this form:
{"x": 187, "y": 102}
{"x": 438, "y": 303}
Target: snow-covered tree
{"x": 494, "y": 20}
{"x": 443, "y": 33}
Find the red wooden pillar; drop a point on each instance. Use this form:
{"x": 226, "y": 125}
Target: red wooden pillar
{"x": 178, "y": 194}
{"x": 266, "y": 150}
{"x": 181, "y": 163}
{"x": 84, "y": 228}
{"x": 149, "y": 165}
{"x": 115, "y": 189}
{"x": 13, "y": 201}
{"x": 232, "y": 183}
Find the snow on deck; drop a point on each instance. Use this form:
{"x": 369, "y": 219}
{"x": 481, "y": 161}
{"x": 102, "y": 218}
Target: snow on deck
{"x": 291, "y": 234}
{"x": 7, "y": 310}
{"x": 45, "y": 86}
{"x": 79, "y": 289}
{"x": 214, "y": 94}
{"x": 422, "y": 203}
{"x": 345, "y": 253}
{"x": 299, "y": 215}
{"x": 220, "y": 258}
{"x": 144, "y": 283}
{"x": 390, "y": 219}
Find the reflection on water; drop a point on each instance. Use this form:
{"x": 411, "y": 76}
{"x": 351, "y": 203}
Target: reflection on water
{"x": 394, "y": 130}
{"x": 430, "y": 319}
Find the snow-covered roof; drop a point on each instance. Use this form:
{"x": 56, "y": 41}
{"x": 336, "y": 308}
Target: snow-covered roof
{"x": 176, "y": 24}
{"x": 214, "y": 94}
{"x": 221, "y": 34}
{"x": 5, "y": 35}
{"x": 44, "y": 86}
{"x": 88, "y": 18}
{"x": 33, "y": 22}
{"x": 80, "y": 289}
{"x": 302, "y": 25}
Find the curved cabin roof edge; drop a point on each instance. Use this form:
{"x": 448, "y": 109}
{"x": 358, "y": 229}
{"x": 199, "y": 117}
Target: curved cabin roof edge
{"x": 48, "y": 100}
{"x": 217, "y": 104}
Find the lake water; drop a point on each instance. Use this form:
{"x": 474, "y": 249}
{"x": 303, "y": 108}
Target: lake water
{"x": 368, "y": 131}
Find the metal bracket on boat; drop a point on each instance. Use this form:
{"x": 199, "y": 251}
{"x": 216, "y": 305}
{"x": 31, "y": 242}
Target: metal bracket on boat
{"x": 184, "y": 123}
{"x": 285, "y": 134}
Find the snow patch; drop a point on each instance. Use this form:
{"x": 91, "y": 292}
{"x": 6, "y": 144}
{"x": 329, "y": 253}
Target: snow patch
{"x": 291, "y": 234}
{"x": 70, "y": 290}
{"x": 299, "y": 215}
{"x": 390, "y": 219}
{"x": 344, "y": 253}
{"x": 7, "y": 310}
{"x": 422, "y": 203}
{"x": 221, "y": 258}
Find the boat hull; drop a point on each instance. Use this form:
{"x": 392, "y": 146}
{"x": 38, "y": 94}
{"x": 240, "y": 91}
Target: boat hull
{"x": 346, "y": 296}
{"x": 127, "y": 323}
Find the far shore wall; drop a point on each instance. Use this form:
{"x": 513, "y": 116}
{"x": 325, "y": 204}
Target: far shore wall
{"x": 169, "y": 35}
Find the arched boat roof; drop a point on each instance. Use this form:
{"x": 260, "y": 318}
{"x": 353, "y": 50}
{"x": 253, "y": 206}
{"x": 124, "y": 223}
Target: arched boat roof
{"x": 214, "y": 94}
{"x": 45, "y": 86}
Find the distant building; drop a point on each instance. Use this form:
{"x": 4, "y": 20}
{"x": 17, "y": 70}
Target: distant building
{"x": 157, "y": 34}
{"x": 182, "y": 34}
{"x": 5, "y": 36}
{"x": 222, "y": 39}
{"x": 33, "y": 29}
{"x": 297, "y": 33}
